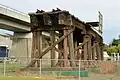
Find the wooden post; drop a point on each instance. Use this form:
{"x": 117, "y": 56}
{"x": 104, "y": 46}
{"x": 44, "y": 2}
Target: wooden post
{"x": 39, "y": 42}
{"x": 71, "y": 49}
{"x": 33, "y": 50}
{"x": 65, "y": 45}
{"x": 89, "y": 48}
{"x": 33, "y": 45}
{"x": 60, "y": 54}
{"x": 93, "y": 51}
{"x": 38, "y": 48}
{"x": 98, "y": 51}
{"x": 52, "y": 37}
{"x": 101, "y": 51}
{"x": 76, "y": 51}
{"x": 85, "y": 47}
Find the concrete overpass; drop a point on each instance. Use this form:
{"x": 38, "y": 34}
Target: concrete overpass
{"x": 14, "y": 20}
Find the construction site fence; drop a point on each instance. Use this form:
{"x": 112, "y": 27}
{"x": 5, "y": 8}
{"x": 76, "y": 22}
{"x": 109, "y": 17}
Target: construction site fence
{"x": 61, "y": 68}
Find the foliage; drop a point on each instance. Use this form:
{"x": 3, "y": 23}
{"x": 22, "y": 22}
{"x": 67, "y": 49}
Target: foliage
{"x": 115, "y": 42}
{"x": 113, "y": 47}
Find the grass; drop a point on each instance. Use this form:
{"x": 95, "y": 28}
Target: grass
{"x": 24, "y": 78}
{"x": 9, "y": 66}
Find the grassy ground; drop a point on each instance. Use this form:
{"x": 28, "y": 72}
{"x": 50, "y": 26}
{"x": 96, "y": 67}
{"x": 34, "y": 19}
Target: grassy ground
{"x": 24, "y": 78}
{"x": 31, "y": 78}
{"x": 9, "y": 66}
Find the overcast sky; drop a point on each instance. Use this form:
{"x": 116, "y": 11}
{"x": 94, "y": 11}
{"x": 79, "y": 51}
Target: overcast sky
{"x": 86, "y": 10}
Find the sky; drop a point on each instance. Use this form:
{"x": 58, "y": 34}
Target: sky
{"x": 86, "y": 10}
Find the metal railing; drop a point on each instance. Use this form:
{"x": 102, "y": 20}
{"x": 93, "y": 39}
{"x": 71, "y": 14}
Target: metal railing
{"x": 83, "y": 69}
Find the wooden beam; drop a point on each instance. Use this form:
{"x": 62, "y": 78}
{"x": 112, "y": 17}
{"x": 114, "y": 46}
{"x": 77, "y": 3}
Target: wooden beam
{"x": 89, "y": 49}
{"x": 60, "y": 51}
{"x": 33, "y": 45}
{"x": 71, "y": 50}
{"x": 33, "y": 51}
{"x": 39, "y": 42}
{"x": 76, "y": 51}
{"x": 98, "y": 51}
{"x": 101, "y": 51}
{"x": 55, "y": 43}
{"x": 38, "y": 48}
{"x": 78, "y": 47}
{"x": 52, "y": 37}
{"x": 85, "y": 47}
{"x": 65, "y": 46}
{"x": 93, "y": 51}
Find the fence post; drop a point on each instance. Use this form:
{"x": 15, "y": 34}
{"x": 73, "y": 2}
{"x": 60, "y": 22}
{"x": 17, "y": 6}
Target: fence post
{"x": 4, "y": 66}
{"x": 40, "y": 67}
{"x": 79, "y": 69}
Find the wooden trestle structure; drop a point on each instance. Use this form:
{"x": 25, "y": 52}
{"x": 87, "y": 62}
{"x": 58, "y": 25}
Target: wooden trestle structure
{"x": 76, "y": 39}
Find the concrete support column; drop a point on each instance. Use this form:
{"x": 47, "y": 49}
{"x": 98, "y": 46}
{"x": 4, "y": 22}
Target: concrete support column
{"x": 21, "y": 45}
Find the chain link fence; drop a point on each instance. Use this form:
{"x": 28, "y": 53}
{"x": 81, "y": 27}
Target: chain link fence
{"x": 61, "y": 69}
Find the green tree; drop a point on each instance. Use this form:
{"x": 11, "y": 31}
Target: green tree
{"x": 111, "y": 50}
{"x": 115, "y": 42}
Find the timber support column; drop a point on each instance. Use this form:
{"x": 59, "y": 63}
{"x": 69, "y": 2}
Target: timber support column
{"x": 94, "y": 51}
{"x": 52, "y": 37}
{"x": 87, "y": 47}
{"x": 65, "y": 44}
{"x": 101, "y": 51}
{"x": 60, "y": 47}
{"x": 71, "y": 50}
{"x": 98, "y": 51}
{"x": 39, "y": 43}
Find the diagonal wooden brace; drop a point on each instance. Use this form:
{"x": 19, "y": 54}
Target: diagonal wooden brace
{"x": 55, "y": 43}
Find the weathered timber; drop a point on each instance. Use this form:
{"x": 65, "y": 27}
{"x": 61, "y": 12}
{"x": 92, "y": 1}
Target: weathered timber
{"x": 56, "y": 42}
{"x": 39, "y": 47}
{"x": 65, "y": 44}
{"x": 89, "y": 49}
{"x": 60, "y": 54}
{"x": 98, "y": 51}
{"x": 33, "y": 45}
{"x": 101, "y": 51}
{"x": 52, "y": 37}
{"x": 78, "y": 47}
{"x": 76, "y": 51}
{"x": 71, "y": 49}
{"x": 36, "y": 50}
{"x": 93, "y": 51}
{"x": 68, "y": 47}
{"x": 85, "y": 47}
